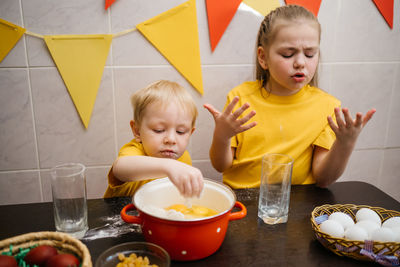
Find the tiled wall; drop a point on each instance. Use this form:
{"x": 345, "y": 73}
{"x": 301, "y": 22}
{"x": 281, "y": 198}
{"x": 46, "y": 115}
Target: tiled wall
{"x": 40, "y": 127}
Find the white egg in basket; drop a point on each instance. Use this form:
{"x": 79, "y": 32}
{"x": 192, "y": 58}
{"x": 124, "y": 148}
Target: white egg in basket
{"x": 343, "y": 218}
{"x": 369, "y": 226}
{"x": 393, "y": 222}
{"x": 383, "y": 235}
{"x": 366, "y": 214}
{"x": 332, "y": 228}
{"x": 356, "y": 233}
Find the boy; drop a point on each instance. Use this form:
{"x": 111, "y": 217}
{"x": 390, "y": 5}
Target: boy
{"x": 164, "y": 119}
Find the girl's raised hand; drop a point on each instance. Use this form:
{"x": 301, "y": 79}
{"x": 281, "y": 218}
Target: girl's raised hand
{"x": 347, "y": 129}
{"x": 228, "y": 123}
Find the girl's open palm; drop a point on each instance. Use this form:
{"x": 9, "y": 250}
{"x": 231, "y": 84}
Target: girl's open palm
{"x": 227, "y": 122}
{"x": 347, "y": 129}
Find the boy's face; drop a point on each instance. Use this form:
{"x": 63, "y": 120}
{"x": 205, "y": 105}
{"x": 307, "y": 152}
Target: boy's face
{"x": 292, "y": 58}
{"x": 164, "y": 131}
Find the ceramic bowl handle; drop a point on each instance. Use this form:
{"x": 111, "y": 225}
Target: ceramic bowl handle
{"x": 130, "y": 218}
{"x": 238, "y": 214}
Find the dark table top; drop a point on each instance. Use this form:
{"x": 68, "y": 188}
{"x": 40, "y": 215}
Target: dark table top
{"x": 248, "y": 241}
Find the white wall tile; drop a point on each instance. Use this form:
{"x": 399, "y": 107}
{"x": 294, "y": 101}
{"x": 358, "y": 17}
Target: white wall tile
{"x": 361, "y": 87}
{"x": 17, "y": 139}
{"x": 393, "y": 134}
{"x": 62, "y": 136}
{"x": 364, "y": 165}
{"x": 19, "y": 187}
{"x": 390, "y": 179}
{"x": 361, "y": 30}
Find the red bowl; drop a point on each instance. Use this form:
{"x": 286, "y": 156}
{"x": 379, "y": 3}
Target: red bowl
{"x": 184, "y": 239}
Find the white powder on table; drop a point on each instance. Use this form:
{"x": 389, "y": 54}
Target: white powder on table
{"x": 114, "y": 227}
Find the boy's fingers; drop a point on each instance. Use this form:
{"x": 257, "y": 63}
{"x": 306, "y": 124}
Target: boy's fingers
{"x": 240, "y": 110}
{"x": 247, "y": 117}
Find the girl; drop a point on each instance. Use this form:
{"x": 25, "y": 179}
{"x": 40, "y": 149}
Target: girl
{"x": 293, "y": 116}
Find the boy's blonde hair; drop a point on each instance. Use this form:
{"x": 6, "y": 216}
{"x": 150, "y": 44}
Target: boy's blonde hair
{"x": 166, "y": 93}
{"x": 268, "y": 29}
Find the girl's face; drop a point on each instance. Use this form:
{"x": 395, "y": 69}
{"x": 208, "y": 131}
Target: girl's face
{"x": 292, "y": 57}
{"x": 164, "y": 130}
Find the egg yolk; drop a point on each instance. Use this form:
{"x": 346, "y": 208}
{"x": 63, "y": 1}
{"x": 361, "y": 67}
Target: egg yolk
{"x": 194, "y": 212}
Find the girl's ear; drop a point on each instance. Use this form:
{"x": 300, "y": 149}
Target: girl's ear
{"x": 262, "y": 59}
{"x": 192, "y": 130}
{"x": 135, "y": 130}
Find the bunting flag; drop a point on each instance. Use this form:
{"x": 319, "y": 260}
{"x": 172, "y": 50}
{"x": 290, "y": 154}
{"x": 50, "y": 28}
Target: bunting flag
{"x": 174, "y": 33}
{"x": 261, "y": 6}
{"x": 386, "y": 9}
{"x": 311, "y": 5}
{"x": 9, "y": 36}
{"x": 219, "y": 14}
{"x": 80, "y": 59}
{"x": 108, "y": 3}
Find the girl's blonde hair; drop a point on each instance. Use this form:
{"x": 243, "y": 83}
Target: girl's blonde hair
{"x": 165, "y": 93}
{"x": 268, "y": 30}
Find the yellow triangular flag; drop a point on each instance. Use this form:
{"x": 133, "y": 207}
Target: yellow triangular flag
{"x": 262, "y": 6}
{"x": 80, "y": 59}
{"x": 174, "y": 33}
{"x": 9, "y": 36}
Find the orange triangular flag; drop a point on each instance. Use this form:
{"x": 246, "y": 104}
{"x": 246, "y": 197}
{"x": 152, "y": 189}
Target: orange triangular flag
{"x": 108, "y": 3}
{"x": 219, "y": 14}
{"x": 386, "y": 9}
{"x": 174, "y": 33}
{"x": 9, "y": 36}
{"x": 311, "y": 5}
{"x": 80, "y": 59}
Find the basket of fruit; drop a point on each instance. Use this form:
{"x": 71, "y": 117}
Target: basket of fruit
{"x": 359, "y": 231}
{"x": 47, "y": 249}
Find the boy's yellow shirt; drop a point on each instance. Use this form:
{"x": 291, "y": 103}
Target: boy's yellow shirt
{"x": 117, "y": 188}
{"x": 290, "y": 125}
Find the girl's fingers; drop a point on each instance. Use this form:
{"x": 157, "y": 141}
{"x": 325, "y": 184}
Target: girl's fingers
{"x": 332, "y": 124}
{"x": 368, "y": 116}
{"x": 359, "y": 120}
{"x": 247, "y": 126}
{"x": 347, "y": 118}
{"x": 339, "y": 120}
{"x": 231, "y": 105}
{"x": 214, "y": 112}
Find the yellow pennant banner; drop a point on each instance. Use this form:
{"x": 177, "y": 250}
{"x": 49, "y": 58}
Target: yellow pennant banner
{"x": 174, "y": 33}
{"x": 9, "y": 36}
{"x": 262, "y": 6}
{"x": 80, "y": 59}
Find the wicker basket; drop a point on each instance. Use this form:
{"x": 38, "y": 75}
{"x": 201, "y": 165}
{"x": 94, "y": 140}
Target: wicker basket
{"x": 349, "y": 248}
{"x": 64, "y": 243}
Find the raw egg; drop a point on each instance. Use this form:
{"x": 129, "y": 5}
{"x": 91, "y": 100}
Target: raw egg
{"x": 366, "y": 214}
{"x": 332, "y": 228}
{"x": 356, "y": 233}
{"x": 368, "y": 226}
{"x": 383, "y": 235}
{"x": 343, "y": 218}
{"x": 392, "y": 222}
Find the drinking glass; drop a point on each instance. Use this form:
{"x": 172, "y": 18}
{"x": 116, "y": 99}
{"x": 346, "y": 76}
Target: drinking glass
{"x": 68, "y": 184}
{"x": 276, "y": 179}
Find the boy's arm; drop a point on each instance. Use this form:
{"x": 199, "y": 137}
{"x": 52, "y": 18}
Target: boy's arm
{"x": 186, "y": 178}
{"x": 227, "y": 125}
{"x": 329, "y": 165}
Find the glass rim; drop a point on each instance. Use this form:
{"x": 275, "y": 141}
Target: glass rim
{"x": 281, "y": 155}
{"x": 70, "y": 165}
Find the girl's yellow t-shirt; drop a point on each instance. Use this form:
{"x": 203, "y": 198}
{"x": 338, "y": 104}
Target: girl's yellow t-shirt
{"x": 290, "y": 125}
{"x": 117, "y": 188}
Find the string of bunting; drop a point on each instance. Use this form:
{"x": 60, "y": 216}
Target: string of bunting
{"x": 80, "y": 59}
